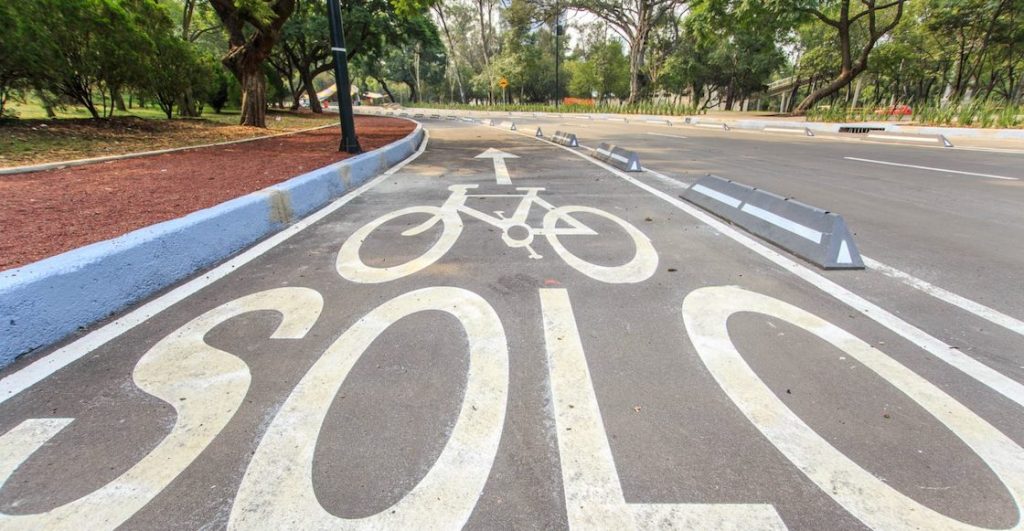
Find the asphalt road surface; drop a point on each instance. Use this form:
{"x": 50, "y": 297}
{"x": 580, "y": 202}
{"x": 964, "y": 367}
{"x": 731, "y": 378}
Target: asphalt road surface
{"x": 506, "y": 334}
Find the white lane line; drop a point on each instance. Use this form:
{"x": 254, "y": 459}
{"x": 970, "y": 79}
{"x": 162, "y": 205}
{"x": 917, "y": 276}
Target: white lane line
{"x": 979, "y": 371}
{"x": 28, "y": 376}
{"x": 670, "y": 136}
{"x": 906, "y": 138}
{"x": 990, "y": 176}
{"x": 717, "y": 196}
{"x": 783, "y": 223}
{"x": 671, "y": 181}
{"x": 992, "y": 150}
{"x": 993, "y": 316}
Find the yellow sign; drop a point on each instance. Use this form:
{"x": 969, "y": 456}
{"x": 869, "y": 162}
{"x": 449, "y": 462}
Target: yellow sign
{"x": 503, "y": 82}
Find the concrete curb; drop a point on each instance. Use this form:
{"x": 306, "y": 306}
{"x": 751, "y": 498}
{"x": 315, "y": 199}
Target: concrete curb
{"x": 94, "y": 160}
{"x": 45, "y": 301}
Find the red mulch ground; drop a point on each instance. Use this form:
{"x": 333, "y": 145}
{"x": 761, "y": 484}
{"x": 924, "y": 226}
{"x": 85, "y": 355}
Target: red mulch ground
{"x": 47, "y": 213}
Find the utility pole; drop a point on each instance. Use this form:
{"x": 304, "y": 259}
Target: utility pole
{"x": 558, "y": 53}
{"x": 349, "y": 141}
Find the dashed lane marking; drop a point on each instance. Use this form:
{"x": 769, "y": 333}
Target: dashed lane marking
{"x": 929, "y": 168}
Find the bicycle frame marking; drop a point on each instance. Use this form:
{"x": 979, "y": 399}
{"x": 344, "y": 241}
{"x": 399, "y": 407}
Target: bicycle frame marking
{"x": 457, "y": 203}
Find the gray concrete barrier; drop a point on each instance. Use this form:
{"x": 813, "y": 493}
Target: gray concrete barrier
{"x": 565, "y": 139}
{"x": 909, "y": 138}
{"x": 620, "y": 158}
{"x": 818, "y": 236}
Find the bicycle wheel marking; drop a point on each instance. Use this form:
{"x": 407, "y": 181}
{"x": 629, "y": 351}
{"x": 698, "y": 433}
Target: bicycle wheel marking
{"x": 352, "y": 268}
{"x": 277, "y": 489}
{"x": 640, "y": 268}
{"x": 205, "y": 385}
{"x": 876, "y": 504}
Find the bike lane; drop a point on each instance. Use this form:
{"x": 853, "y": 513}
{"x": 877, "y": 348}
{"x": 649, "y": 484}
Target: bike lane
{"x": 505, "y": 385}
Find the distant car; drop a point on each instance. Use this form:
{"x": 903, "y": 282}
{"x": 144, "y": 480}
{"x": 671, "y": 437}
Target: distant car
{"x": 895, "y": 110}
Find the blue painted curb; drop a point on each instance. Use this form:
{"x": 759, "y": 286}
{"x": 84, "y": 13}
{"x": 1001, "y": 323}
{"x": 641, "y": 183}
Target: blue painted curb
{"x": 43, "y": 302}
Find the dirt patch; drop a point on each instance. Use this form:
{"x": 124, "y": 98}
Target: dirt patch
{"x": 47, "y": 213}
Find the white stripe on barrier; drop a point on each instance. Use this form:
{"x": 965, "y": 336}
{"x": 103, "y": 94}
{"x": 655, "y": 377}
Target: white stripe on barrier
{"x": 717, "y": 196}
{"x": 800, "y": 230}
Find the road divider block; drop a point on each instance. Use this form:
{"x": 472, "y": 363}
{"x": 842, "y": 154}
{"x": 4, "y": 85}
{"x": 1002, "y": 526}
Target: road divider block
{"x": 790, "y": 130}
{"x": 622, "y": 159}
{"x": 909, "y": 138}
{"x": 539, "y": 133}
{"x": 818, "y": 236}
{"x": 565, "y": 139}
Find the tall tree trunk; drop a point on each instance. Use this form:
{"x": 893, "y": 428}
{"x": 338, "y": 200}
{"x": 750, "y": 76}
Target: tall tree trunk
{"x": 384, "y": 87}
{"x": 636, "y": 60}
{"x": 254, "y": 94}
{"x": 851, "y": 68}
{"x": 307, "y": 82}
{"x": 439, "y": 9}
{"x": 118, "y": 100}
{"x": 250, "y": 42}
{"x": 487, "y": 56}
{"x": 297, "y": 96}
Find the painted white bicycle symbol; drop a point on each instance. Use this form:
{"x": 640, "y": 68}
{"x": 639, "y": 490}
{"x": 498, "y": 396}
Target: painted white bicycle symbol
{"x": 515, "y": 232}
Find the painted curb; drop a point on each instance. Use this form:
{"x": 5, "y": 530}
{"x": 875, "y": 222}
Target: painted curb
{"x": 43, "y": 302}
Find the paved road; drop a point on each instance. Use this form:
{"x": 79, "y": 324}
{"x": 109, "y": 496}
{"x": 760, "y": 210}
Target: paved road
{"x": 540, "y": 341}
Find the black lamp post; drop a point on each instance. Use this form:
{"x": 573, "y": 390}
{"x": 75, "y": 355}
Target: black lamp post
{"x": 558, "y": 53}
{"x": 349, "y": 141}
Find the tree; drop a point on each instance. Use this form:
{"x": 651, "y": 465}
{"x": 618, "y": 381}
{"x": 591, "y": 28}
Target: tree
{"x": 92, "y": 47}
{"x": 306, "y": 49}
{"x": 253, "y": 26}
{"x": 737, "y": 48}
{"x": 600, "y": 66}
{"x": 175, "y": 69}
{"x": 873, "y": 18}
{"x": 633, "y": 20}
{"x": 19, "y": 48}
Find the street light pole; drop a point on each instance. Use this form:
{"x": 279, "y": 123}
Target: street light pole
{"x": 349, "y": 141}
{"x": 558, "y": 53}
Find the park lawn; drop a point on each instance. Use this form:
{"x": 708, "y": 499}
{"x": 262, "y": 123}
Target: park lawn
{"x": 33, "y": 139}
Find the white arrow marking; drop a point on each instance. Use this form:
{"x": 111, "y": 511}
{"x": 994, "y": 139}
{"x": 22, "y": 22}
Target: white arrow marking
{"x": 500, "y": 170}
